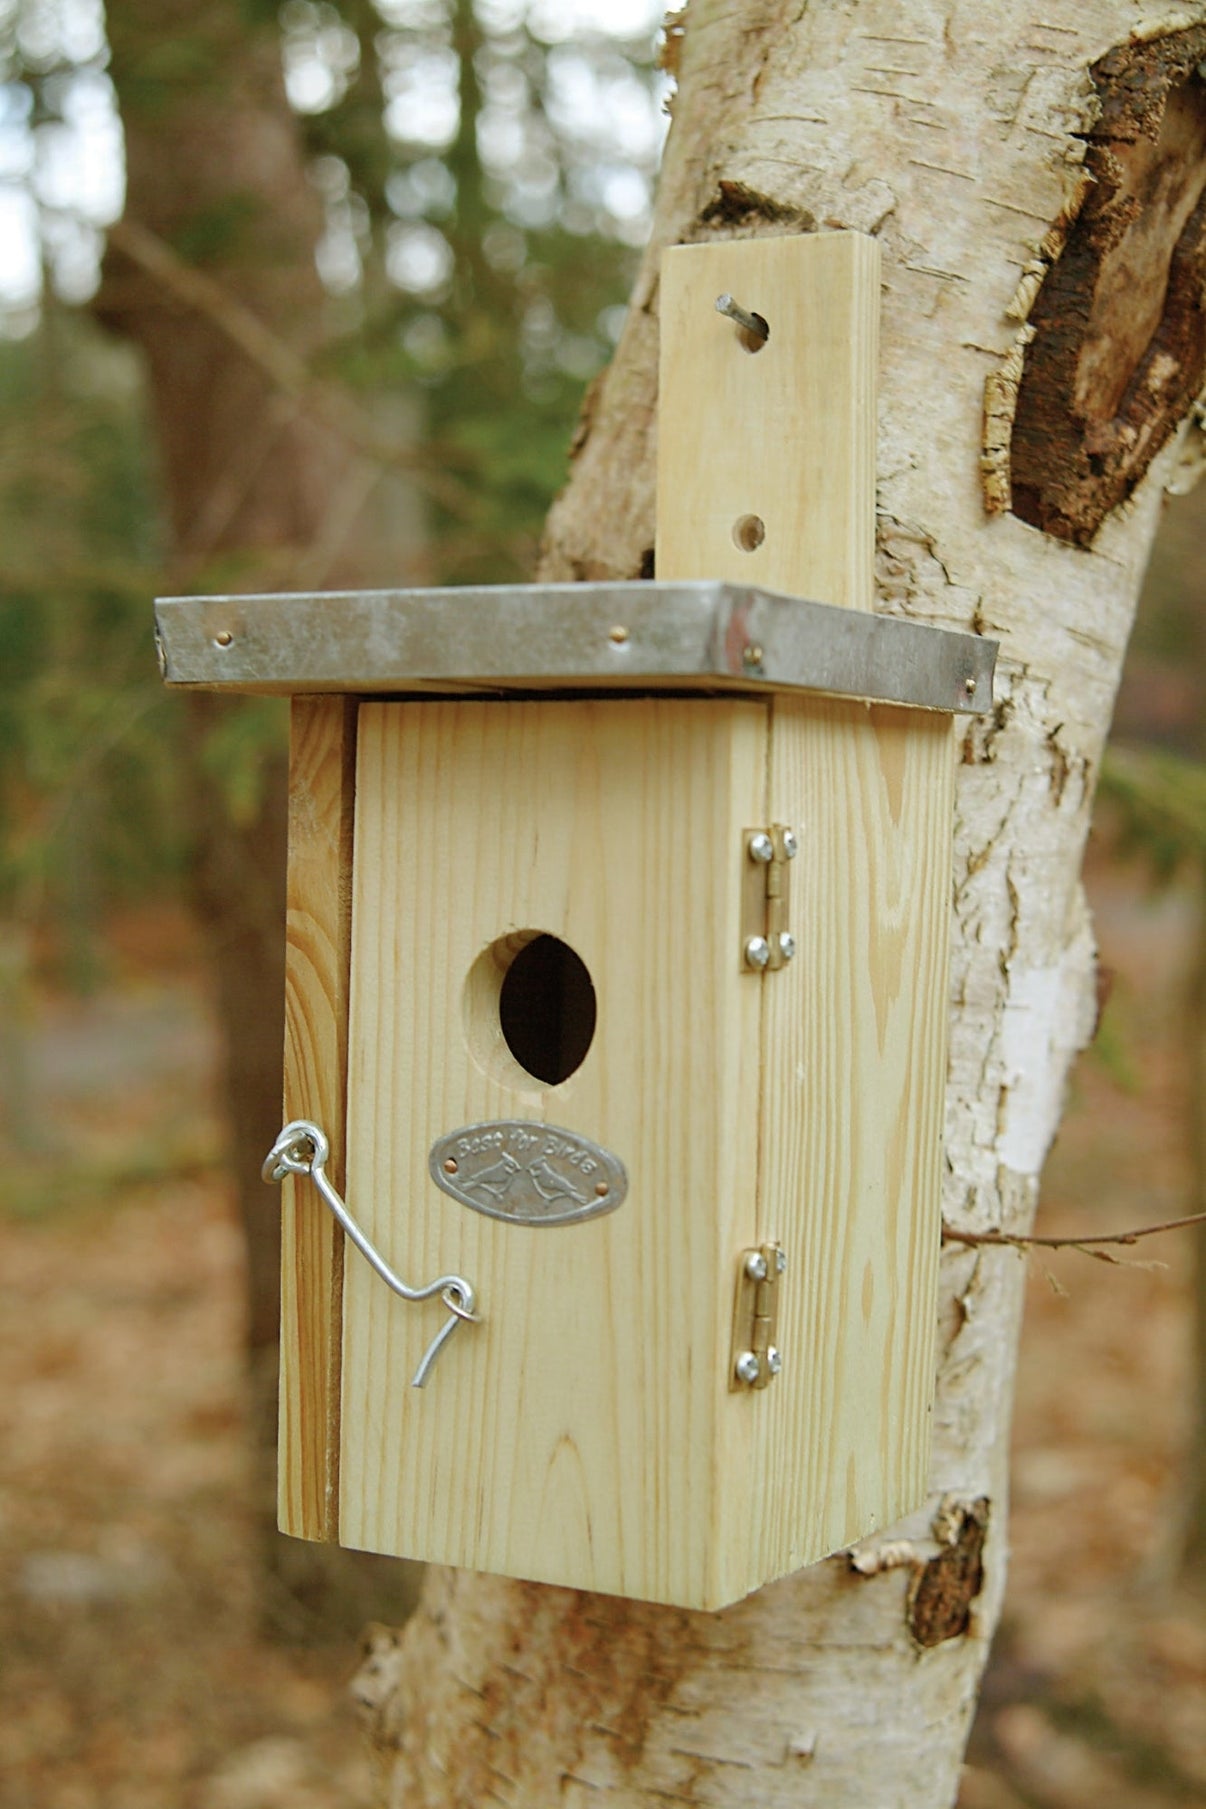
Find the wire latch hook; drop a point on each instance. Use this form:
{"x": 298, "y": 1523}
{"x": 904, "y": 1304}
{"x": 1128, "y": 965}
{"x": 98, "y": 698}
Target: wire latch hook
{"x": 302, "y": 1149}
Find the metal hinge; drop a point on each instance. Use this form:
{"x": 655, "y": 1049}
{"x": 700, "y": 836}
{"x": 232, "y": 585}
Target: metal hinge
{"x": 756, "y": 1358}
{"x": 766, "y": 939}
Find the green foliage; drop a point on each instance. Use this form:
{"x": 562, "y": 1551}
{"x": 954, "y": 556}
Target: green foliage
{"x": 1159, "y": 800}
{"x": 236, "y": 753}
{"x": 1116, "y": 1045}
{"x": 216, "y": 235}
{"x": 490, "y": 270}
{"x": 479, "y": 264}
{"x": 88, "y": 794}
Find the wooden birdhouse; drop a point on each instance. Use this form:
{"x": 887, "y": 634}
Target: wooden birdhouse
{"x": 617, "y": 999}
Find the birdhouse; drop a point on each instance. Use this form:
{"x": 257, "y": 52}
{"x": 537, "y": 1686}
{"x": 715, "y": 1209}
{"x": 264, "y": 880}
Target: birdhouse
{"x": 617, "y": 998}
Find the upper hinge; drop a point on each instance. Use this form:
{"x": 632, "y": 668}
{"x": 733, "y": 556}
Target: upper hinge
{"x": 766, "y": 938}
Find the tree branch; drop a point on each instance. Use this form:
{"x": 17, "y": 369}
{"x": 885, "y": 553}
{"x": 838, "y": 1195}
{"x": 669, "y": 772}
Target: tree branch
{"x": 284, "y": 368}
{"x": 1088, "y": 1245}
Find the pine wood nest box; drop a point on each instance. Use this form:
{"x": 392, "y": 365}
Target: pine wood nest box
{"x": 617, "y": 1000}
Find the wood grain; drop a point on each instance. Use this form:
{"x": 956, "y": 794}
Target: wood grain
{"x": 572, "y": 1437}
{"x": 853, "y": 1031}
{"x": 786, "y": 434}
{"x": 854, "y": 1066}
{"x": 321, "y": 794}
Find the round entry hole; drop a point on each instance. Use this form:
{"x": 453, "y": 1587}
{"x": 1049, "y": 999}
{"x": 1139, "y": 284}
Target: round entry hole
{"x": 547, "y": 1009}
{"x": 749, "y": 531}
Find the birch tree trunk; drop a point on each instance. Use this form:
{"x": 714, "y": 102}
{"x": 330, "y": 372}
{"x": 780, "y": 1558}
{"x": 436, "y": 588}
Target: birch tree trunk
{"x": 1034, "y": 174}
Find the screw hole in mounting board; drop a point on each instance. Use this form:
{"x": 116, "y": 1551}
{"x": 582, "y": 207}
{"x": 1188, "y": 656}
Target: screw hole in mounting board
{"x": 753, "y": 330}
{"x": 754, "y": 341}
{"x": 749, "y": 531}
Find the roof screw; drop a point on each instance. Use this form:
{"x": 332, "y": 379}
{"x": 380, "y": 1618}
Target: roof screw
{"x": 774, "y": 1359}
{"x": 752, "y": 655}
{"x": 787, "y": 944}
{"x": 747, "y": 1366}
{"x": 761, "y": 847}
{"x": 757, "y": 951}
{"x": 755, "y": 1266}
{"x": 970, "y": 687}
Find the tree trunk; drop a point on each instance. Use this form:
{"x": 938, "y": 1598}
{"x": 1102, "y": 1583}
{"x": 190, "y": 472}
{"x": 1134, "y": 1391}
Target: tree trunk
{"x": 212, "y": 274}
{"x": 1034, "y": 176}
{"x": 1193, "y": 1548}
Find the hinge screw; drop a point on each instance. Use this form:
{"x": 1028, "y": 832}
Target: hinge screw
{"x": 774, "y": 1359}
{"x": 791, "y": 844}
{"x": 787, "y": 944}
{"x": 748, "y": 1366}
{"x": 755, "y": 1266}
{"x": 781, "y": 1260}
{"x": 761, "y": 847}
{"x": 757, "y": 951}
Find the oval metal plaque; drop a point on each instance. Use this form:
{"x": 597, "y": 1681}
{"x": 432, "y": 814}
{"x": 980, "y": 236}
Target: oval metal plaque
{"x": 531, "y": 1174}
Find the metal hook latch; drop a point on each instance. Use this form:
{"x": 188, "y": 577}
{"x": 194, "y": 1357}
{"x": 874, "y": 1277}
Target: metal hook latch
{"x": 302, "y": 1149}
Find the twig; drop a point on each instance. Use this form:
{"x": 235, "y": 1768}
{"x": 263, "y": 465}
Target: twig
{"x": 1013, "y": 1241}
{"x": 284, "y": 368}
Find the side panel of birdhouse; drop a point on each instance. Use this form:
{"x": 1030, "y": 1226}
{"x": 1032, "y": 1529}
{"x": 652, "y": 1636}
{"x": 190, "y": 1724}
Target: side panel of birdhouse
{"x": 573, "y": 1436}
{"x": 854, "y": 1061}
{"x": 318, "y": 932}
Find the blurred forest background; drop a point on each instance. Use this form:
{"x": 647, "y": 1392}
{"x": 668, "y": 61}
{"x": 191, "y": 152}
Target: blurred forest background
{"x": 308, "y": 295}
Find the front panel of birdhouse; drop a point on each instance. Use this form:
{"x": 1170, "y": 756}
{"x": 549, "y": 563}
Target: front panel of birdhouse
{"x": 594, "y": 1389}
{"x": 588, "y": 1431}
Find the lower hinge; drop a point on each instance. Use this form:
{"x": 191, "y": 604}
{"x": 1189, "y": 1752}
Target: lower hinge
{"x": 756, "y": 1358}
{"x": 766, "y": 937}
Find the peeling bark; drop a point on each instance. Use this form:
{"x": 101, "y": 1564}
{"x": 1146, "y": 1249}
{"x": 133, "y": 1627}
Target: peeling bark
{"x": 944, "y": 1589}
{"x": 959, "y": 137}
{"x": 1119, "y": 325}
